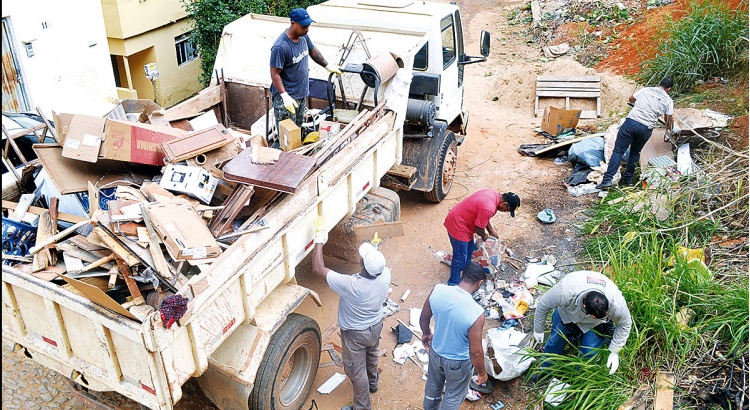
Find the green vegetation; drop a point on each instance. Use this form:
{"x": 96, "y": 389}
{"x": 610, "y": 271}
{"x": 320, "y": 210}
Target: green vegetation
{"x": 711, "y": 41}
{"x": 208, "y": 18}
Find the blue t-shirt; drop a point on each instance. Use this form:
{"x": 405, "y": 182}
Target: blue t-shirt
{"x": 455, "y": 311}
{"x": 291, "y": 58}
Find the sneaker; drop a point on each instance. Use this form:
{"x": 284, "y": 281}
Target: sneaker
{"x": 472, "y": 395}
{"x": 604, "y": 185}
{"x": 347, "y": 408}
{"x": 375, "y": 390}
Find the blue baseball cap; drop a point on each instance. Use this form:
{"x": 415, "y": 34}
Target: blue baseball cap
{"x": 301, "y": 17}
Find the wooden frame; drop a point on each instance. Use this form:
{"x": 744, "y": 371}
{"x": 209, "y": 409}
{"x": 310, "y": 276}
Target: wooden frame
{"x": 569, "y": 87}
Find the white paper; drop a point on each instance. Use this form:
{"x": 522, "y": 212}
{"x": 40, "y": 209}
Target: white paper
{"x": 91, "y": 140}
{"x": 414, "y": 315}
{"x": 72, "y": 143}
{"x": 332, "y": 383}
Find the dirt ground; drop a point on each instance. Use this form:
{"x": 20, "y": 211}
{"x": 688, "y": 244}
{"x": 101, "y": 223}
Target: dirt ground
{"x": 500, "y": 97}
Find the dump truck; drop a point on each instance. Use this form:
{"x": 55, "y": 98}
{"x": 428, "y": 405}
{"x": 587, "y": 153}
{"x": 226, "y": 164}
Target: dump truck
{"x": 240, "y": 337}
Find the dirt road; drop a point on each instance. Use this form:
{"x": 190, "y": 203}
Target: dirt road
{"x": 500, "y": 96}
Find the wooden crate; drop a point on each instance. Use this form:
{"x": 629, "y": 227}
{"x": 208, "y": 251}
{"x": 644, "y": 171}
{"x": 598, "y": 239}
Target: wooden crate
{"x": 569, "y": 87}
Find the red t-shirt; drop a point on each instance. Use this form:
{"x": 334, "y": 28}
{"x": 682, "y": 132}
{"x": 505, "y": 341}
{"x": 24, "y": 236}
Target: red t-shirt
{"x": 473, "y": 212}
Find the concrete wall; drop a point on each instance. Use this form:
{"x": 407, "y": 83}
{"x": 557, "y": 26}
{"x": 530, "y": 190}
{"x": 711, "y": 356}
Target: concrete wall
{"x": 128, "y": 18}
{"x": 70, "y": 70}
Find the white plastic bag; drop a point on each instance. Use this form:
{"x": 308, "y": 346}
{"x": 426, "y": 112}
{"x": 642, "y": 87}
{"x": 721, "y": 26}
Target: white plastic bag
{"x": 503, "y": 357}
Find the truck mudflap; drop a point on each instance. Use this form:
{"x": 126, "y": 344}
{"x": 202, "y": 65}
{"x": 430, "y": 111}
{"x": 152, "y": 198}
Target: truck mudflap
{"x": 422, "y": 153}
{"x": 232, "y": 368}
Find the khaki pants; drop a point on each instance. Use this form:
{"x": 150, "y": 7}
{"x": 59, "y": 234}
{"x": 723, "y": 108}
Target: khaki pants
{"x": 360, "y": 357}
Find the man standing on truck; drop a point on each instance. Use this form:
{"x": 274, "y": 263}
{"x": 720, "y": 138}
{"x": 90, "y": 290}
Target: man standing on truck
{"x": 473, "y": 215}
{"x": 289, "y": 71}
{"x": 456, "y": 345}
{"x": 648, "y": 104}
{"x": 360, "y": 312}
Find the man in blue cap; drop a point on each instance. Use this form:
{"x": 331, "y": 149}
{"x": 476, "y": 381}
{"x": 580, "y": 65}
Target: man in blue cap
{"x": 289, "y": 70}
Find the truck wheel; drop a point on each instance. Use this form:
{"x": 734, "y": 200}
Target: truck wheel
{"x": 289, "y": 366}
{"x": 446, "y": 169}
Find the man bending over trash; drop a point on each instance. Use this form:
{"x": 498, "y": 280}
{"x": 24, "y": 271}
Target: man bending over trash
{"x": 584, "y": 304}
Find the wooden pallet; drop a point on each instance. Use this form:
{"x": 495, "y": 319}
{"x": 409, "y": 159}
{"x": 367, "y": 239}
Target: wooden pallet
{"x": 569, "y": 87}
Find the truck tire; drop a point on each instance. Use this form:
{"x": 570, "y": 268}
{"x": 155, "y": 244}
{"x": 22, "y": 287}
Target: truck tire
{"x": 289, "y": 366}
{"x": 446, "y": 169}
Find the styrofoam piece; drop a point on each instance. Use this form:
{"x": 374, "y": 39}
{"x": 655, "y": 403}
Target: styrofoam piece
{"x": 332, "y": 383}
{"x": 684, "y": 161}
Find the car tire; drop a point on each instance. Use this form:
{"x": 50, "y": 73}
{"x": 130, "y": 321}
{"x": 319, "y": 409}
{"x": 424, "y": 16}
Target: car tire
{"x": 446, "y": 169}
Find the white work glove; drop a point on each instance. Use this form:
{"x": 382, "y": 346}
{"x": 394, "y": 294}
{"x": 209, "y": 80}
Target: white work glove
{"x": 321, "y": 236}
{"x": 334, "y": 68}
{"x": 539, "y": 337}
{"x": 613, "y": 362}
{"x": 676, "y": 130}
{"x": 289, "y": 103}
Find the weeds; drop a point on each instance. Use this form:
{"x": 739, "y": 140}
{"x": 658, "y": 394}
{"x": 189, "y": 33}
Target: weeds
{"x": 711, "y": 41}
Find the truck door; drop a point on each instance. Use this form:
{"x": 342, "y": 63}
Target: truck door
{"x": 451, "y": 87}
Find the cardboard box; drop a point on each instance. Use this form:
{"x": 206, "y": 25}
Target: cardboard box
{"x": 556, "y": 121}
{"x": 136, "y": 142}
{"x": 84, "y": 138}
{"x": 90, "y": 138}
{"x": 182, "y": 230}
{"x": 290, "y": 135}
{"x": 139, "y": 110}
{"x": 194, "y": 181}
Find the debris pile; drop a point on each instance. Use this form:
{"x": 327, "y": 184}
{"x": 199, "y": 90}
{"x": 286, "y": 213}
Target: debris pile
{"x": 146, "y": 199}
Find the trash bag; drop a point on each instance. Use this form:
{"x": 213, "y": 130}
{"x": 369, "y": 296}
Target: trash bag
{"x": 504, "y": 358}
{"x": 403, "y": 334}
{"x": 589, "y": 151}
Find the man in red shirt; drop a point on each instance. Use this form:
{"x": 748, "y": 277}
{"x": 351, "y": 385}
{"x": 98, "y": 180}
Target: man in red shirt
{"x": 472, "y": 215}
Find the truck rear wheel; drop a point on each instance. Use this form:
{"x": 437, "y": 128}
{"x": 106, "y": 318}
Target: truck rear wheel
{"x": 446, "y": 169}
{"x": 289, "y": 366}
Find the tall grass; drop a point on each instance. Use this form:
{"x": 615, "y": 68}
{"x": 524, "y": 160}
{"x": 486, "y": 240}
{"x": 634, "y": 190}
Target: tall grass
{"x": 711, "y": 41}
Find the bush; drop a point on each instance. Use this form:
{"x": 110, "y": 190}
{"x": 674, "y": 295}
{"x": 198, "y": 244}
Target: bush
{"x": 208, "y": 18}
{"x": 711, "y": 41}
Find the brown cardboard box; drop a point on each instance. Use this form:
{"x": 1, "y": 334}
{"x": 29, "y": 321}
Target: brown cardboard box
{"x": 83, "y": 138}
{"x": 92, "y": 138}
{"x": 290, "y": 135}
{"x": 136, "y": 142}
{"x": 140, "y": 110}
{"x": 182, "y": 230}
{"x": 329, "y": 128}
{"x": 557, "y": 121}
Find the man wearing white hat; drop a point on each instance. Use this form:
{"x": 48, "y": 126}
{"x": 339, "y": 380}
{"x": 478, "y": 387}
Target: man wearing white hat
{"x": 360, "y": 313}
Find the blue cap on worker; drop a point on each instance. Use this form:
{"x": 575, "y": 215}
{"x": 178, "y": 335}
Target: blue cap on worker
{"x": 301, "y": 17}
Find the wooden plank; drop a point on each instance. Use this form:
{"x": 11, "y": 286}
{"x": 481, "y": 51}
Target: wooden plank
{"x": 23, "y": 206}
{"x": 197, "y": 143}
{"x": 636, "y": 399}
{"x": 84, "y": 255}
{"x": 93, "y": 199}
{"x": 130, "y": 282}
{"x": 232, "y": 207}
{"x": 154, "y": 247}
{"x": 568, "y": 84}
{"x": 383, "y": 229}
{"x": 403, "y": 171}
{"x": 69, "y": 175}
{"x": 569, "y": 78}
{"x": 118, "y": 249}
{"x": 54, "y": 238}
{"x": 570, "y": 94}
{"x": 284, "y": 175}
{"x": 96, "y": 295}
{"x": 664, "y": 398}
{"x": 45, "y": 229}
{"x": 196, "y": 105}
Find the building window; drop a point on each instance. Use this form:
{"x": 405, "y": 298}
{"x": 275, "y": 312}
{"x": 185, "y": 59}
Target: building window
{"x": 185, "y": 49}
